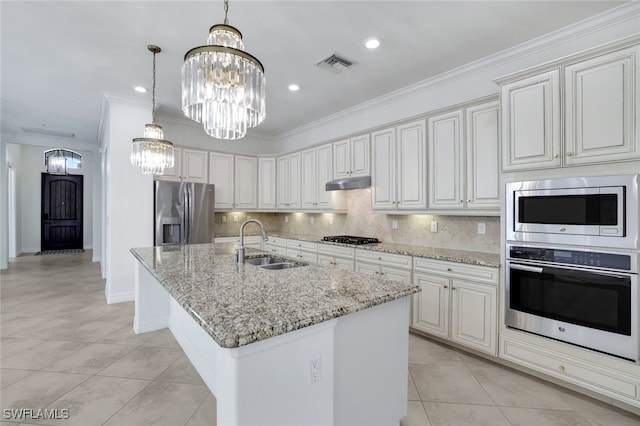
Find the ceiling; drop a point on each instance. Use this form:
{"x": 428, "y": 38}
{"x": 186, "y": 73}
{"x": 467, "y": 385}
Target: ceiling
{"x": 59, "y": 57}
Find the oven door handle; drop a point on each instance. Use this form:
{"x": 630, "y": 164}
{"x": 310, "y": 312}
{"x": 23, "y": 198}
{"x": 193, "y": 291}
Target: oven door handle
{"x": 526, "y": 268}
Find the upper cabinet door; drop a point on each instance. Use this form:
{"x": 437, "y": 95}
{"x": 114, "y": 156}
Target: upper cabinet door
{"x": 445, "y": 161}
{"x": 309, "y": 175}
{"x": 246, "y": 182}
{"x": 324, "y": 169}
{"x": 360, "y": 161}
{"x": 411, "y": 159}
{"x": 482, "y": 137}
{"x": 194, "y": 165}
{"x": 283, "y": 182}
{"x": 173, "y": 173}
{"x": 221, "y": 175}
{"x": 601, "y": 111}
{"x": 531, "y": 122}
{"x": 341, "y": 159}
{"x": 266, "y": 183}
{"x": 383, "y": 178}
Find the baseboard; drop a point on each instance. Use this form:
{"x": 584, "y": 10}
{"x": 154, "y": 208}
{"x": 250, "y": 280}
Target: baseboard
{"x": 125, "y": 296}
{"x": 157, "y": 324}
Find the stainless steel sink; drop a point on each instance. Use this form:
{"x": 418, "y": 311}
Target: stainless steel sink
{"x": 273, "y": 263}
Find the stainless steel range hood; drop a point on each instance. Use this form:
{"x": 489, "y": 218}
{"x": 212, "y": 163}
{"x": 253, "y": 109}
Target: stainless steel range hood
{"x": 349, "y": 183}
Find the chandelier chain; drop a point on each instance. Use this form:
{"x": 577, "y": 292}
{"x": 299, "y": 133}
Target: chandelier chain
{"x": 153, "y": 91}
{"x": 226, "y": 12}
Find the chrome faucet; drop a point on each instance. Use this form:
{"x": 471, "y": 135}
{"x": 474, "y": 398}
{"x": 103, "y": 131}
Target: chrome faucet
{"x": 239, "y": 254}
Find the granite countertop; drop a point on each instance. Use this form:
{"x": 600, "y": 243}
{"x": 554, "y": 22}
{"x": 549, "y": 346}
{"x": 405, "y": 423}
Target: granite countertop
{"x": 241, "y": 304}
{"x": 460, "y": 256}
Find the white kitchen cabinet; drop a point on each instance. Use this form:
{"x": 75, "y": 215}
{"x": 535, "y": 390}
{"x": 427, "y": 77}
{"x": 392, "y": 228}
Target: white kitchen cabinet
{"x": 463, "y": 159}
{"x": 276, "y": 245}
{"x": 236, "y": 180}
{"x": 289, "y": 181}
{"x": 309, "y": 197}
{"x": 303, "y": 250}
{"x": 530, "y": 110}
{"x": 317, "y": 170}
{"x": 459, "y": 304}
{"x": 398, "y": 176}
{"x": 324, "y": 173}
{"x": 188, "y": 165}
{"x": 351, "y": 157}
{"x": 246, "y": 182}
{"x": 267, "y": 183}
{"x": 600, "y": 108}
{"x": 339, "y": 257}
{"x": 394, "y": 267}
{"x": 593, "y": 120}
{"x": 252, "y": 241}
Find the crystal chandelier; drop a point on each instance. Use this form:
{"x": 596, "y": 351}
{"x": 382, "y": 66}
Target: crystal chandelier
{"x": 151, "y": 152}
{"x": 223, "y": 87}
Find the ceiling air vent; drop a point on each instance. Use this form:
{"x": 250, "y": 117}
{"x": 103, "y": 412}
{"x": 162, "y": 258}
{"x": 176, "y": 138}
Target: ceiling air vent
{"x": 47, "y": 132}
{"x": 336, "y": 63}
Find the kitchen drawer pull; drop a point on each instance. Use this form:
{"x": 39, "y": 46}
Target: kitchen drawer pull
{"x": 569, "y": 154}
{"x": 525, "y": 268}
{"x": 445, "y": 286}
{"x": 561, "y": 368}
{"x": 449, "y": 270}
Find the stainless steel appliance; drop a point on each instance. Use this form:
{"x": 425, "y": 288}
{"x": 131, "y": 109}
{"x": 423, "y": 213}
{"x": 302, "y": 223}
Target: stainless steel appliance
{"x": 184, "y": 213}
{"x": 591, "y": 211}
{"x": 349, "y": 239}
{"x": 587, "y": 298}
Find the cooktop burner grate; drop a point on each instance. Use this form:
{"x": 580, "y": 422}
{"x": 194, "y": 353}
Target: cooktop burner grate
{"x": 349, "y": 239}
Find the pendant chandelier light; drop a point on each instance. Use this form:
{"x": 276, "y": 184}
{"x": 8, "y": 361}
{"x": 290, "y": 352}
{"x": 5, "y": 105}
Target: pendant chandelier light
{"x": 151, "y": 152}
{"x": 223, "y": 87}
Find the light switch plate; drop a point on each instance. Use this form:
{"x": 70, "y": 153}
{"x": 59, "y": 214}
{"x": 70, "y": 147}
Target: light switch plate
{"x": 394, "y": 224}
{"x": 312, "y": 220}
{"x": 224, "y": 219}
{"x": 434, "y": 226}
{"x": 482, "y": 228}
{"x": 330, "y": 220}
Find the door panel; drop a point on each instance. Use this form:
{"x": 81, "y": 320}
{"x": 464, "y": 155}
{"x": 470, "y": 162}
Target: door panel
{"x": 61, "y": 213}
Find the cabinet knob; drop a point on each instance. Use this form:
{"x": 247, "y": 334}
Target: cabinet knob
{"x": 569, "y": 154}
{"x": 468, "y": 201}
{"x": 445, "y": 286}
{"x": 376, "y": 272}
{"x": 381, "y": 273}
{"x": 561, "y": 368}
{"x": 555, "y": 155}
{"x": 379, "y": 258}
{"x": 453, "y": 288}
{"x": 462, "y": 201}
{"x": 449, "y": 269}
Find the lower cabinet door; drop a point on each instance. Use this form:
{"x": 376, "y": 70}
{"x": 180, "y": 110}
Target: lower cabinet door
{"x": 365, "y": 268}
{"x": 431, "y": 305}
{"x": 394, "y": 274}
{"x": 474, "y": 315}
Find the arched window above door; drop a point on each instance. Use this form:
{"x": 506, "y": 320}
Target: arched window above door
{"x": 58, "y": 160}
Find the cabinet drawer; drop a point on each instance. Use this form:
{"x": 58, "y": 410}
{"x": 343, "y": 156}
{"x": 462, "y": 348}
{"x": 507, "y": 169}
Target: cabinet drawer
{"x": 336, "y": 250}
{"x": 277, "y": 241}
{"x": 248, "y": 240}
{"x": 272, "y": 248}
{"x": 475, "y": 273}
{"x": 589, "y": 375}
{"x": 302, "y": 245}
{"x": 302, "y": 255}
{"x": 381, "y": 258}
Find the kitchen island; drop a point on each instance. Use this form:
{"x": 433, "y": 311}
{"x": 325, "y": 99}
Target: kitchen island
{"x": 309, "y": 345}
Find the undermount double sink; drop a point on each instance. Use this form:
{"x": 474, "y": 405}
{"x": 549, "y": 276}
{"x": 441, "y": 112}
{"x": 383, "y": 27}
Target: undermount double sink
{"x": 272, "y": 262}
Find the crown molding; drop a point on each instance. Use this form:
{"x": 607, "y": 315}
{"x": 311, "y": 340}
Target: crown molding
{"x": 627, "y": 12}
{"x": 50, "y": 142}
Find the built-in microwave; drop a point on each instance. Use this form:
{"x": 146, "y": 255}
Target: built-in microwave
{"x": 594, "y": 211}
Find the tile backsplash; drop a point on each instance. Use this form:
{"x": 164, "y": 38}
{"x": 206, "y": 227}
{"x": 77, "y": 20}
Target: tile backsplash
{"x": 454, "y": 232}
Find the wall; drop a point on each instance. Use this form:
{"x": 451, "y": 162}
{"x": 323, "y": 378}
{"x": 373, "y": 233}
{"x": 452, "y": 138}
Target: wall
{"x": 28, "y": 180}
{"x": 454, "y": 232}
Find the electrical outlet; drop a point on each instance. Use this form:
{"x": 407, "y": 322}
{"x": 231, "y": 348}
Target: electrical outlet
{"x": 224, "y": 219}
{"x": 394, "y": 224}
{"x": 482, "y": 228}
{"x": 312, "y": 220}
{"x": 235, "y": 218}
{"x": 314, "y": 369}
{"x": 331, "y": 220}
{"x": 286, "y": 219}
{"x": 434, "y": 226}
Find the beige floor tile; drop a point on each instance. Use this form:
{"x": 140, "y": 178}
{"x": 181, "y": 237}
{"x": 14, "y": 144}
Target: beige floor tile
{"x": 448, "y": 384}
{"x": 39, "y": 389}
{"x": 50, "y": 329}
{"x": 159, "y": 404}
{"x": 125, "y": 336}
{"x": 161, "y": 339}
{"x": 10, "y": 346}
{"x": 541, "y": 417}
{"x": 416, "y": 416}
{"x": 14, "y": 327}
{"x": 143, "y": 363}
{"x": 181, "y": 371}
{"x": 94, "y": 401}
{"x": 9, "y": 376}
{"x": 422, "y": 351}
{"x": 90, "y": 359}
{"x": 124, "y": 314}
{"x": 205, "y": 414}
{"x": 446, "y": 414}
{"x": 412, "y": 391}
{"x": 41, "y": 354}
{"x": 612, "y": 418}
{"x": 91, "y": 331}
{"x": 513, "y": 389}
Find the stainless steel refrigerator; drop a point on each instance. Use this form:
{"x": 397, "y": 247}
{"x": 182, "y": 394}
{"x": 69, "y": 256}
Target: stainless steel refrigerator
{"x": 184, "y": 213}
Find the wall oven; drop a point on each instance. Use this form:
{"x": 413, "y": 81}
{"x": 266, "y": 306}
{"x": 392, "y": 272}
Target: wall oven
{"x": 586, "y": 298}
{"x": 593, "y": 211}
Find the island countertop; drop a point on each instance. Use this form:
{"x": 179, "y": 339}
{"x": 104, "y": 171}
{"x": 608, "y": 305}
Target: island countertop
{"x": 241, "y": 304}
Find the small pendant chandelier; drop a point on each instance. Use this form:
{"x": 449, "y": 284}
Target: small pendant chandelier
{"x": 151, "y": 152}
{"x": 223, "y": 87}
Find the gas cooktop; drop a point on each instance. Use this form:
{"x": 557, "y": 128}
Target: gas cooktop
{"x": 349, "y": 239}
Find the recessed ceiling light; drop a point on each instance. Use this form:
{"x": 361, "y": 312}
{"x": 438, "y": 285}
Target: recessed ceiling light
{"x": 294, "y": 87}
{"x": 372, "y": 43}
{"x": 140, "y": 89}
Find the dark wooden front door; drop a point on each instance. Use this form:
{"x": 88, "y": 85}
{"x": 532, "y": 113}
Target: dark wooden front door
{"x": 61, "y": 212}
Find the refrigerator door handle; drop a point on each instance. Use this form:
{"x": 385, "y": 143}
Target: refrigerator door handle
{"x": 187, "y": 215}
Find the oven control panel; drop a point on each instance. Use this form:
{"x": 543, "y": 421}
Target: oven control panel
{"x": 572, "y": 257}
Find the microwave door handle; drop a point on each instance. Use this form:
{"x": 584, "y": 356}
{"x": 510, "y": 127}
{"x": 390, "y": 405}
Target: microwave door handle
{"x": 526, "y": 268}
